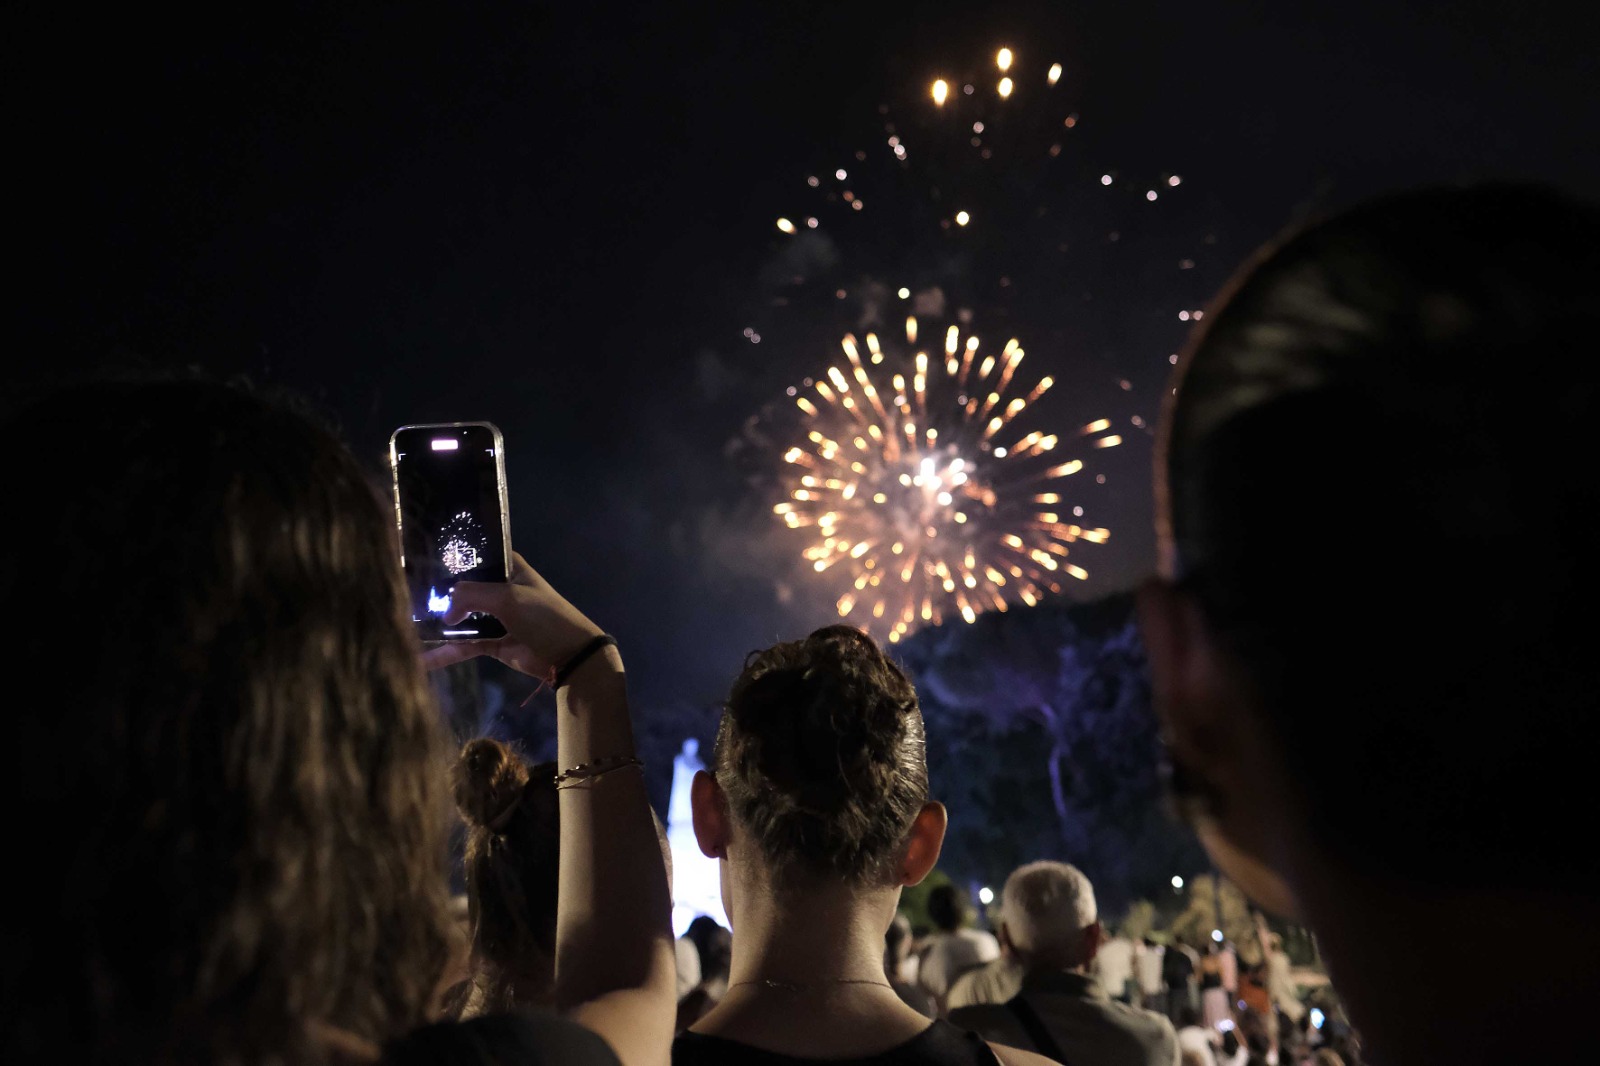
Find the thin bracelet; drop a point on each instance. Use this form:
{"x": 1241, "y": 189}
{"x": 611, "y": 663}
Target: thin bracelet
{"x": 588, "y": 779}
{"x": 599, "y": 766}
{"x": 564, "y": 674}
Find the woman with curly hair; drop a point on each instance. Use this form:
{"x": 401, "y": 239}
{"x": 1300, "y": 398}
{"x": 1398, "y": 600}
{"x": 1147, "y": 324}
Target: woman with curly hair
{"x": 238, "y": 778}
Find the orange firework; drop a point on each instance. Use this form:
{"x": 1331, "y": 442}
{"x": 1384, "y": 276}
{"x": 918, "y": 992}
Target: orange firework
{"x": 918, "y": 493}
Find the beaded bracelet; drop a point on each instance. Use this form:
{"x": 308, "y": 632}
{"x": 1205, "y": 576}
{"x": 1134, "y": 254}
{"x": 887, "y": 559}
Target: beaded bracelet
{"x": 585, "y": 771}
{"x": 589, "y": 779}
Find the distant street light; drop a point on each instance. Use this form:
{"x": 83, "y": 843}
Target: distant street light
{"x": 1177, "y": 883}
{"x": 985, "y": 895}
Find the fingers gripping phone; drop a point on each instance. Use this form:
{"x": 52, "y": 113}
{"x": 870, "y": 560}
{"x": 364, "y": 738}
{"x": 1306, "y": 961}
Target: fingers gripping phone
{"x": 450, "y": 505}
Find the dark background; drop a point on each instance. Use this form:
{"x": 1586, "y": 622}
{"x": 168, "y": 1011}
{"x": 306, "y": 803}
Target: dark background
{"x": 555, "y": 218}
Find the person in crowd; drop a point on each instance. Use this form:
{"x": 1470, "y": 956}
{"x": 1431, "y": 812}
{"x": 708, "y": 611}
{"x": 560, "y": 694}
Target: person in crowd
{"x": 1049, "y": 921}
{"x": 1177, "y": 976}
{"x": 711, "y": 943}
{"x": 955, "y": 946}
{"x": 246, "y": 806}
{"x": 1383, "y": 408}
{"x": 1148, "y": 963}
{"x": 896, "y": 950}
{"x": 1113, "y": 964}
{"x": 1194, "y": 1038}
{"x": 1230, "y": 1050}
{"x": 816, "y": 806}
{"x": 1282, "y": 992}
{"x": 1214, "y": 1006}
{"x": 511, "y": 859}
{"x": 1255, "y": 1032}
{"x": 1229, "y": 958}
{"x": 1253, "y": 991}
{"x": 716, "y": 955}
{"x": 688, "y": 960}
{"x": 993, "y": 982}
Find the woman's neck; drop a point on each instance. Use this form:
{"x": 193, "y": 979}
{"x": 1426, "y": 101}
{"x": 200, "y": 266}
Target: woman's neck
{"x": 815, "y": 934}
{"x": 807, "y": 977}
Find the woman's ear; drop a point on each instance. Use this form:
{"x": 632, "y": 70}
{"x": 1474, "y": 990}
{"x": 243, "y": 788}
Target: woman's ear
{"x": 923, "y": 843}
{"x": 1196, "y": 699}
{"x": 1220, "y": 758}
{"x": 1167, "y": 621}
{"x": 709, "y": 807}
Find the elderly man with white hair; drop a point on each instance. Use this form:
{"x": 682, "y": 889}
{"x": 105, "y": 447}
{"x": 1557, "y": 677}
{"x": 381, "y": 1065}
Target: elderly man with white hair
{"x": 1050, "y": 925}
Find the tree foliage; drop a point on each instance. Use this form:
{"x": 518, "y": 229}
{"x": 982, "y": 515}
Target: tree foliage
{"x": 1042, "y": 743}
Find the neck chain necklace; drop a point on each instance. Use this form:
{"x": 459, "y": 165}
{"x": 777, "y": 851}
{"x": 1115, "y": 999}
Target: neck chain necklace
{"x": 796, "y": 986}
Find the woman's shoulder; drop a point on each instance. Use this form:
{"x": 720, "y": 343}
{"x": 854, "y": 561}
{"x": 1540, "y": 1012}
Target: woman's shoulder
{"x": 940, "y": 1044}
{"x": 522, "y": 1037}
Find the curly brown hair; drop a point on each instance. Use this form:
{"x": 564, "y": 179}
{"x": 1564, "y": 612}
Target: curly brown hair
{"x": 821, "y": 755}
{"x": 238, "y": 782}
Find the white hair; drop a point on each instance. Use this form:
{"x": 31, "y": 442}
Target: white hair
{"x": 1046, "y": 907}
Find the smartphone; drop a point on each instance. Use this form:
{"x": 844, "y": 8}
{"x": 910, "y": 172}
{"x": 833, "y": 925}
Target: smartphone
{"x": 450, "y": 505}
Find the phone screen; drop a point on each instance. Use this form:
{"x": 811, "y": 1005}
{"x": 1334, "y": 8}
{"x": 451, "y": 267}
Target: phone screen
{"x": 450, "y": 499}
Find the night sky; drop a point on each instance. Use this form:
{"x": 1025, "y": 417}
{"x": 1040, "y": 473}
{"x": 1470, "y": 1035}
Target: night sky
{"x": 562, "y": 220}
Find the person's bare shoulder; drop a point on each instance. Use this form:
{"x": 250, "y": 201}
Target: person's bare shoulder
{"x": 1012, "y": 1056}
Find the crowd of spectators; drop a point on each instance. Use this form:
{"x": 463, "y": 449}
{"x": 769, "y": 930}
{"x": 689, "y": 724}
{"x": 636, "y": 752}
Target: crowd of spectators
{"x": 234, "y": 808}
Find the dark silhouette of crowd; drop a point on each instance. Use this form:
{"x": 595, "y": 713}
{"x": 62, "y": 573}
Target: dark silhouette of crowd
{"x": 232, "y": 810}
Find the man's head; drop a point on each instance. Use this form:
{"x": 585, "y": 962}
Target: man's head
{"x": 1377, "y": 525}
{"x": 947, "y": 908}
{"x": 1049, "y": 916}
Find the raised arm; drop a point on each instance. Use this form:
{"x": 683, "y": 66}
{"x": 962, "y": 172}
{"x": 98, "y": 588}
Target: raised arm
{"x": 615, "y": 969}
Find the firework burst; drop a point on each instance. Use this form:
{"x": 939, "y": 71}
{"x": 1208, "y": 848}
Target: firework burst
{"x": 917, "y": 490}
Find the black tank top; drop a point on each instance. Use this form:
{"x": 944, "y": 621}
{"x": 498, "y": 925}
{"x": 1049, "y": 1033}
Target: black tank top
{"x": 940, "y": 1044}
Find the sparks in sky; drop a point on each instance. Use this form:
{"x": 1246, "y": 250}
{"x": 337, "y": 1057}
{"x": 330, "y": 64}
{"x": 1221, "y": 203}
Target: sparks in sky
{"x": 918, "y": 494}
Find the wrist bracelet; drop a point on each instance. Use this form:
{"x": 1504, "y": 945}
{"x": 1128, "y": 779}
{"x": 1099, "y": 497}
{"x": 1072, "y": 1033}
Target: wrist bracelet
{"x": 586, "y": 770}
{"x": 565, "y": 671}
{"x": 589, "y": 779}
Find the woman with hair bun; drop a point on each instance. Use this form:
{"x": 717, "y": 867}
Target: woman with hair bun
{"x": 512, "y": 853}
{"x": 816, "y": 805}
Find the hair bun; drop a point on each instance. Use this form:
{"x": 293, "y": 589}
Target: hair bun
{"x": 827, "y": 728}
{"x": 489, "y": 778}
{"x": 821, "y": 752}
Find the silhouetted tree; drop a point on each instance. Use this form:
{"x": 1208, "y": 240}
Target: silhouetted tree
{"x": 1042, "y": 743}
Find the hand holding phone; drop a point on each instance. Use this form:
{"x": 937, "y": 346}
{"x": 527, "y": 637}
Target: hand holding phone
{"x": 451, "y": 508}
{"x": 545, "y": 630}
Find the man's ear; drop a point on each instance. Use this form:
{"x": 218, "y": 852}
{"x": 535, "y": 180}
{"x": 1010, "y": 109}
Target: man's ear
{"x": 1093, "y": 936}
{"x": 709, "y": 807}
{"x": 923, "y": 843}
